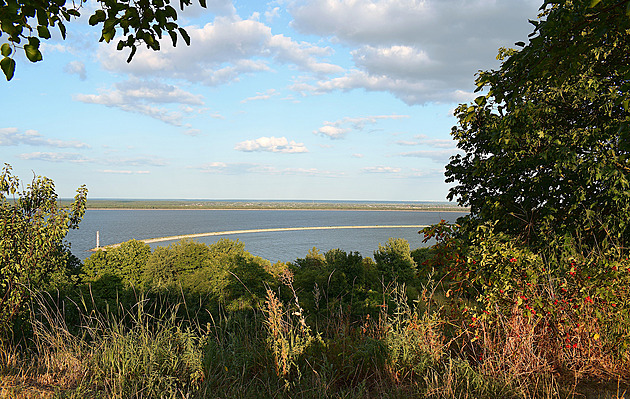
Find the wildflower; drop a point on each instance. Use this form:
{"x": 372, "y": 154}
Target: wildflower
{"x": 588, "y": 299}
{"x": 512, "y": 260}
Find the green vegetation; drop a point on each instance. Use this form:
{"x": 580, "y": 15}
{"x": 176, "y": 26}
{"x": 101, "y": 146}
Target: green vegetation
{"x": 527, "y": 297}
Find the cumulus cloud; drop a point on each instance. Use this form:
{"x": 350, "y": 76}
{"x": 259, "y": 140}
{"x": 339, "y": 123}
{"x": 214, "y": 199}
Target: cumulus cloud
{"x": 222, "y": 51}
{"x": 141, "y": 96}
{"x": 420, "y": 51}
{"x": 12, "y": 136}
{"x": 339, "y": 129}
{"x": 271, "y": 144}
{"x": 76, "y": 68}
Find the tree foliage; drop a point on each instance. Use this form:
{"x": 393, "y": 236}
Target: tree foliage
{"x": 394, "y": 261}
{"x": 547, "y": 149}
{"x": 24, "y": 22}
{"x": 32, "y": 229}
{"x": 127, "y": 262}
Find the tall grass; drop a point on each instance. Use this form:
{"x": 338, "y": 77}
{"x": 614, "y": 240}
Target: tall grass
{"x": 411, "y": 349}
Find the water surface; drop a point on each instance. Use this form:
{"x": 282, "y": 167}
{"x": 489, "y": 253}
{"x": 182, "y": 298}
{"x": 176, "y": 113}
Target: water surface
{"x": 117, "y": 226}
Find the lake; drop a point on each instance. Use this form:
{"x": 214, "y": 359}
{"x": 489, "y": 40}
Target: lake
{"x": 117, "y": 226}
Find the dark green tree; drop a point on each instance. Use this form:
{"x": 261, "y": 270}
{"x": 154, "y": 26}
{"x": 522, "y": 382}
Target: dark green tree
{"x": 547, "y": 149}
{"x": 127, "y": 262}
{"x": 24, "y": 22}
{"x": 394, "y": 261}
{"x": 33, "y": 255}
{"x": 175, "y": 263}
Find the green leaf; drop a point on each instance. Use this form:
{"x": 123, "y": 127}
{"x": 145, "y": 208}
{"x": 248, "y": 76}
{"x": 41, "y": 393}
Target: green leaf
{"x": 42, "y": 17}
{"x": 594, "y": 3}
{"x": 173, "y": 36}
{"x": 98, "y": 16}
{"x": 133, "y": 52}
{"x": 43, "y": 32}
{"x": 62, "y": 29}
{"x": 32, "y": 50}
{"x": 8, "y": 67}
{"x": 6, "y": 50}
{"x": 108, "y": 35}
{"x": 202, "y": 3}
{"x": 184, "y": 36}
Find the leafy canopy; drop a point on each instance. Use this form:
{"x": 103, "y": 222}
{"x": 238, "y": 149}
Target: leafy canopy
{"x": 32, "y": 229}
{"x": 547, "y": 150}
{"x": 24, "y": 22}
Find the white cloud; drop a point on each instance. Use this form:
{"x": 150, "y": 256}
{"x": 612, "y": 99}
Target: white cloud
{"x": 357, "y": 155}
{"x": 436, "y": 143}
{"x": 12, "y": 136}
{"x": 333, "y": 132}
{"x": 220, "y": 52}
{"x": 440, "y": 156}
{"x": 271, "y": 15}
{"x": 54, "y": 157}
{"x": 247, "y": 168}
{"x": 126, "y": 172}
{"x": 262, "y": 96}
{"x": 381, "y": 169}
{"x": 76, "y": 67}
{"x": 142, "y": 160}
{"x": 408, "y": 90}
{"x": 421, "y": 139}
{"x": 140, "y": 96}
{"x": 271, "y": 144}
{"x": 420, "y": 51}
{"x": 432, "y": 172}
{"x": 339, "y": 129}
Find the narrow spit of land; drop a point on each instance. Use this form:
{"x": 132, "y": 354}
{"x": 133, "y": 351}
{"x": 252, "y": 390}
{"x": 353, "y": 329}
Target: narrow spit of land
{"x": 221, "y": 233}
{"x": 271, "y": 205}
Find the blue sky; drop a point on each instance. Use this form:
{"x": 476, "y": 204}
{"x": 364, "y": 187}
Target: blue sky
{"x": 287, "y": 99}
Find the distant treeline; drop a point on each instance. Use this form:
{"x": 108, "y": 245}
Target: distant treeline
{"x": 210, "y": 204}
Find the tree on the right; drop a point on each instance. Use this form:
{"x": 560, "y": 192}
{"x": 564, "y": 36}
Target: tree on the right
{"x": 546, "y": 148}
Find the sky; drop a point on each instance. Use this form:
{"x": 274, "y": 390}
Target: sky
{"x": 282, "y": 100}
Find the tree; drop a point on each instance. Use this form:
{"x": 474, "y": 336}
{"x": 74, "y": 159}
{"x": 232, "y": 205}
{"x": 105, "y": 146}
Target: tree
{"x": 127, "y": 262}
{"x": 32, "y": 229}
{"x": 24, "y": 22}
{"x": 394, "y": 261}
{"x": 547, "y": 149}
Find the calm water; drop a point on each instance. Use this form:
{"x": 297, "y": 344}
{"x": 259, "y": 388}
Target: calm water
{"x": 122, "y": 225}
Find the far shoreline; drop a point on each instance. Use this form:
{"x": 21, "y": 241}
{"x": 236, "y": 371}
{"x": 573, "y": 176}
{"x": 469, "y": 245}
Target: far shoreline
{"x": 463, "y": 210}
{"x": 215, "y": 205}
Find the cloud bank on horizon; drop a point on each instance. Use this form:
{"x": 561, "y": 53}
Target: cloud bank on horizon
{"x": 288, "y": 99}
